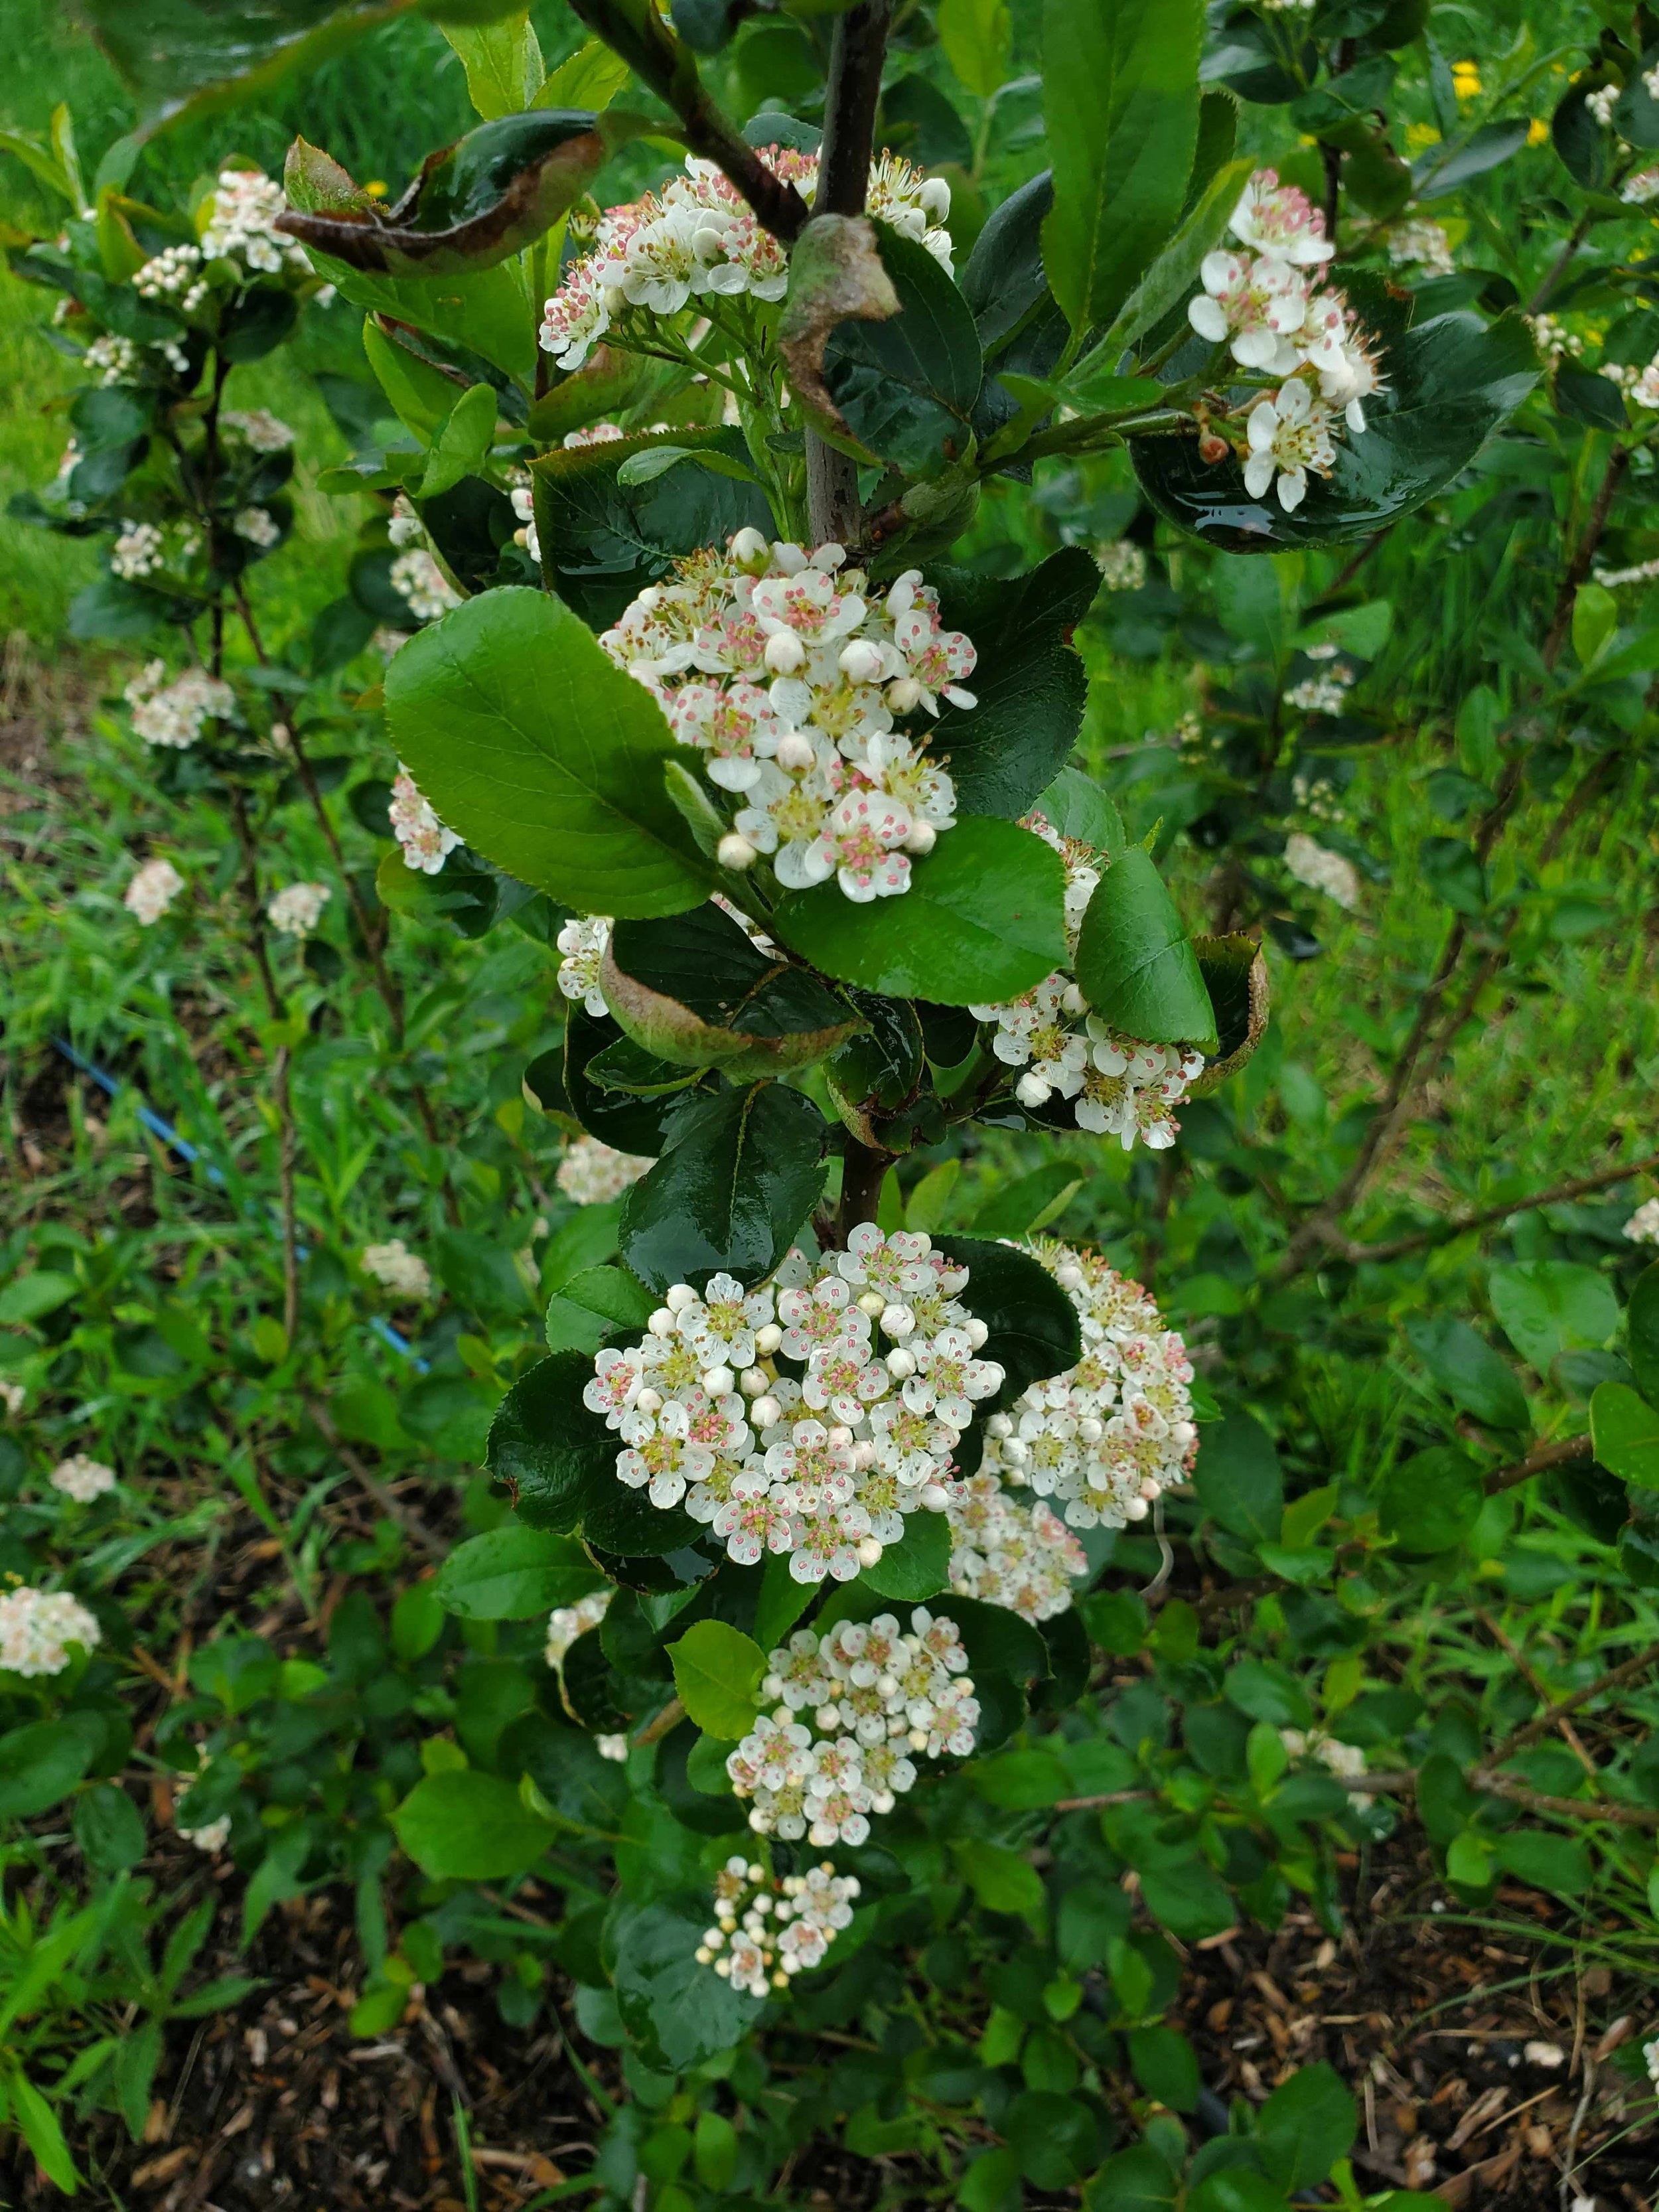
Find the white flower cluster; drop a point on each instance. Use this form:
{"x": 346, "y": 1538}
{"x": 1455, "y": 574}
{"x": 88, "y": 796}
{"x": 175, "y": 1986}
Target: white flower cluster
{"x": 171, "y": 713}
{"x": 14, "y": 1397}
{"x": 1346, "y": 1760}
{"x": 1650, "y": 2050}
{"x": 37, "y": 1628}
{"x": 257, "y": 526}
{"x": 81, "y": 1479}
{"x": 1324, "y": 694}
{"x": 425, "y": 843}
{"x": 152, "y": 890}
{"x": 1006, "y": 1552}
{"x": 567, "y": 1622}
{"x": 401, "y": 1270}
{"x": 143, "y": 549}
{"x": 1263, "y": 306}
{"x": 173, "y": 273}
{"x": 296, "y": 909}
{"x": 257, "y": 429}
{"x": 242, "y": 225}
{"x": 1122, "y": 565}
{"x": 1640, "y": 385}
{"x": 592, "y": 1174}
{"x": 211, "y": 1836}
{"x": 113, "y": 359}
{"x": 1643, "y": 573}
{"x": 1421, "y": 244}
{"x": 825, "y": 1469}
{"x": 1116, "y": 1430}
{"x": 785, "y": 671}
{"x": 1321, "y": 870}
{"x": 1643, "y": 1227}
{"x": 1552, "y": 338}
{"x": 1118, "y": 1086}
{"x": 1638, "y": 190}
{"x": 581, "y": 946}
{"x": 416, "y": 577}
{"x": 1318, "y": 796}
{"x": 765, "y": 1930}
{"x": 700, "y": 236}
{"x": 875, "y": 1695}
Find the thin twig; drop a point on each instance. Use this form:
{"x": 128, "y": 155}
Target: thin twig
{"x": 1536, "y": 1463}
{"x": 1456, "y": 1224}
{"x": 1517, "y": 1659}
{"x": 1640, "y": 1662}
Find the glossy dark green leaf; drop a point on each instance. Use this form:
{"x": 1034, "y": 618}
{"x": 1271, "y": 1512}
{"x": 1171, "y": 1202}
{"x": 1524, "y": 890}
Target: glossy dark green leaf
{"x": 469, "y": 524}
{"x": 1304, "y": 2127}
{"x": 544, "y": 755}
{"x": 905, "y": 386}
{"x": 626, "y": 1120}
{"x": 1075, "y": 804}
{"x": 1642, "y": 1327}
{"x": 603, "y": 541}
{"x": 918, "y": 1566}
{"x": 1589, "y": 397}
{"x": 696, "y": 989}
{"x": 997, "y": 1641}
{"x": 1033, "y": 1324}
{"x": 461, "y": 1825}
{"x": 1625, "y": 1428}
{"x": 547, "y": 1447}
{"x": 1003, "y": 281}
{"x": 678, "y": 2013}
{"x": 1547, "y": 1307}
{"x": 1430, "y": 1502}
{"x": 1030, "y": 682}
{"x": 1236, "y": 1476}
{"x": 1451, "y": 382}
{"x": 744, "y": 1170}
{"x": 472, "y": 204}
{"x": 717, "y": 1673}
{"x": 514, "y": 1573}
{"x": 1120, "y": 97}
{"x": 1470, "y": 1372}
{"x": 1135, "y": 962}
{"x": 1236, "y": 976}
{"x": 983, "y": 920}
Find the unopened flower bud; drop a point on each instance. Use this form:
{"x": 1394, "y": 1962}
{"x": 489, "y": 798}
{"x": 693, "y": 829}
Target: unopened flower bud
{"x": 661, "y": 1322}
{"x": 718, "y": 1381}
{"x": 935, "y": 198}
{"x": 999, "y": 1425}
{"x": 1032, "y": 1090}
{"x": 869, "y": 1552}
{"x": 934, "y": 1497}
{"x": 785, "y": 652}
{"x": 750, "y": 548}
{"x": 840, "y": 1437}
{"x": 1212, "y": 448}
{"x": 903, "y": 694}
{"x": 1136, "y": 1508}
{"x": 795, "y": 752}
{"x": 1090, "y": 1430}
{"x": 827, "y": 1719}
{"x": 679, "y": 1296}
{"x": 897, "y": 1321}
{"x": 901, "y": 1363}
{"x": 860, "y": 661}
{"x": 977, "y": 1332}
{"x": 922, "y": 838}
{"x": 648, "y": 1401}
{"x": 1183, "y": 1432}
{"x": 768, "y": 1338}
{"x": 752, "y": 1382}
{"x": 735, "y": 852}
{"x": 765, "y": 1413}
{"x": 873, "y": 1304}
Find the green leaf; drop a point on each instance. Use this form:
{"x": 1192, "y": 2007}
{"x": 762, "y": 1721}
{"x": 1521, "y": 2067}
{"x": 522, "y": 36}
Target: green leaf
{"x": 1021, "y": 1781}
{"x": 1235, "y": 975}
{"x": 696, "y": 990}
{"x": 590, "y": 1305}
{"x": 514, "y": 1573}
{"x": 678, "y": 2014}
{"x": 41, "y": 1763}
{"x": 1431, "y": 1501}
{"x": 983, "y": 920}
{"x": 503, "y": 65}
{"x": 904, "y": 386}
{"x": 1469, "y": 1371}
{"x": 1120, "y": 97}
{"x": 551, "y": 1452}
{"x": 1547, "y": 1307}
{"x": 1001, "y": 1879}
{"x": 474, "y": 204}
{"x": 1641, "y": 1332}
{"x": 918, "y": 1566}
{"x": 41, "y": 2130}
{"x": 1030, "y": 680}
{"x": 1547, "y": 1861}
{"x": 32, "y": 1297}
{"x": 591, "y": 77}
{"x": 1190, "y": 1899}
{"x": 462, "y": 445}
{"x": 1021, "y": 1208}
{"x": 1135, "y": 2180}
{"x": 717, "y": 1673}
{"x": 109, "y": 1829}
{"x": 1171, "y": 277}
{"x": 1237, "y": 1478}
{"x": 603, "y": 541}
{"x": 1136, "y": 963}
{"x": 781, "y": 1603}
{"x": 464, "y": 1825}
{"x": 1032, "y": 1326}
{"x": 1624, "y": 1430}
{"x": 536, "y": 748}
{"x": 743, "y": 1170}
{"x": 1304, "y": 2127}
{"x": 1075, "y": 804}
{"x": 1452, "y": 381}
{"x": 978, "y": 38}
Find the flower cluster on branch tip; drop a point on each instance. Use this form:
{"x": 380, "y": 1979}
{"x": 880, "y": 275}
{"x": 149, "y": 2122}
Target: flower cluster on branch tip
{"x": 1265, "y": 305}
{"x": 1116, "y": 1086}
{"x": 1111, "y": 1435}
{"x": 767, "y": 1928}
{"x": 37, "y": 1628}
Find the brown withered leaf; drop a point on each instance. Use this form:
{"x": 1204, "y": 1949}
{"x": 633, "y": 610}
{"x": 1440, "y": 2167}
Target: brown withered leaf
{"x": 836, "y": 275}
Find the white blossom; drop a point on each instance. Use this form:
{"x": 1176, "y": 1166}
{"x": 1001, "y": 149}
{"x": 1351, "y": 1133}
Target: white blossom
{"x": 1325, "y": 694}
{"x": 425, "y": 843}
{"x": 171, "y": 715}
{"x": 257, "y": 429}
{"x": 822, "y": 1469}
{"x": 416, "y": 577}
{"x": 1643, "y": 1227}
{"x": 1322, "y": 870}
{"x": 767, "y": 1930}
{"x": 257, "y": 526}
{"x": 138, "y": 551}
{"x": 401, "y": 1270}
{"x": 14, "y": 1397}
{"x": 82, "y": 1479}
{"x": 1601, "y": 102}
{"x": 1345, "y": 1761}
{"x": 297, "y": 908}
{"x": 591, "y": 1173}
{"x": 699, "y": 237}
{"x": 211, "y": 1836}
{"x": 1007, "y": 1552}
{"x": 1290, "y": 433}
{"x": 113, "y": 359}
{"x": 1113, "y": 1432}
{"x": 242, "y": 225}
{"x": 173, "y": 273}
{"x": 152, "y": 890}
{"x": 788, "y": 672}
{"x": 612, "y": 1746}
{"x": 567, "y": 1622}
{"x": 581, "y": 946}
{"x": 37, "y": 1627}
{"x": 1422, "y": 245}
{"x": 1552, "y": 338}
{"x": 1637, "y": 190}
{"x": 1643, "y": 573}
{"x": 1122, "y": 565}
